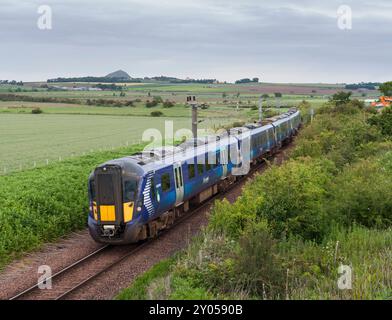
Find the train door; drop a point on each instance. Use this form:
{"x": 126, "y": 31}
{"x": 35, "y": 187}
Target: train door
{"x": 179, "y": 182}
{"x": 109, "y": 195}
{"x": 224, "y": 160}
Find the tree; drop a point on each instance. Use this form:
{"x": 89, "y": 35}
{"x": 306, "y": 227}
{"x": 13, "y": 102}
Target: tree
{"x": 265, "y": 96}
{"x": 383, "y": 121}
{"x": 341, "y": 98}
{"x": 168, "y": 104}
{"x": 278, "y": 95}
{"x": 386, "y": 88}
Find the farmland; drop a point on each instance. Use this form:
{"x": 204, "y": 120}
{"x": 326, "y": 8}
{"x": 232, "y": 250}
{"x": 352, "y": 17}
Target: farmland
{"x": 28, "y": 138}
{"x": 75, "y": 122}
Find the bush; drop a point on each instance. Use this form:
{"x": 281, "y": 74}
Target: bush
{"x": 156, "y": 114}
{"x": 383, "y": 121}
{"x": 294, "y": 197}
{"x": 168, "y": 104}
{"x": 258, "y": 266}
{"x": 362, "y": 194}
{"x": 158, "y": 99}
{"x": 36, "y": 111}
{"x": 336, "y": 137}
{"x": 151, "y": 104}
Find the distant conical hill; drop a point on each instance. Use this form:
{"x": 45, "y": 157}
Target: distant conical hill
{"x": 120, "y": 74}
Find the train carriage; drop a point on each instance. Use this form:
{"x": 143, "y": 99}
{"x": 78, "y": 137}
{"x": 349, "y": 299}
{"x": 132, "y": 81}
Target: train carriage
{"x": 135, "y": 197}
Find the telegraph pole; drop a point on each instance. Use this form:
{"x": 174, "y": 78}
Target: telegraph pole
{"x": 261, "y": 109}
{"x": 191, "y": 100}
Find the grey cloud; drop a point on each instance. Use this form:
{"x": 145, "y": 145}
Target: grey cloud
{"x": 296, "y": 41}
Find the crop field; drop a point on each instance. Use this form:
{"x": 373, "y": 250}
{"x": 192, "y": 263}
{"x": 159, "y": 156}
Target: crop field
{"x": 72, "y": 123}
{"x": 218, "y": 111}
{"x": 28, "y": 140}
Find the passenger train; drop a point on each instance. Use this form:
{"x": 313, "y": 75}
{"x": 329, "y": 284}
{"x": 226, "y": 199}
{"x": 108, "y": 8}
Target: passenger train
{"x": 134, "y": 198}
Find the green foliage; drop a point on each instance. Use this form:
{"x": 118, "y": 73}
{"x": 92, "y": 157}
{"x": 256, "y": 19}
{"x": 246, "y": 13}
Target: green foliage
{"x": 341, "y": 98}
{"x": 313, "y": 269}
{"x": 336, "y": 137}
{"x": 151, "y": 104}
{"x": 386, "y": 88}
{"x": 361, "y": 193}
{"x": 257, "y": 264}
{"x": 293, "y": 197}
{"x": 139, "y": 288}
{"x": 36, "y": 111}
{"x": 158, "y": 99}
{"x": 156, "y": 113}
{"x": 168, "y": 104}
{"x": 383, "y": 121}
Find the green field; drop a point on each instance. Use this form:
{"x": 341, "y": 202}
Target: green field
{"x": 27, "y": 138}
{"x": 216, "y": 111}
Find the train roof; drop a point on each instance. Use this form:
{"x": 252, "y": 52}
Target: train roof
{"x": 158, "y": 157}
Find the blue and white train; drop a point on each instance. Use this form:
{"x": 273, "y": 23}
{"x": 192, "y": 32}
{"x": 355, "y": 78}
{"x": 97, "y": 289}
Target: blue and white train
{"x": 134, "y": 198}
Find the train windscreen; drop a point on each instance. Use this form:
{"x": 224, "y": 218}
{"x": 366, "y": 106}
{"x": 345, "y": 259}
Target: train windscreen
{"x": 106, "y": 189}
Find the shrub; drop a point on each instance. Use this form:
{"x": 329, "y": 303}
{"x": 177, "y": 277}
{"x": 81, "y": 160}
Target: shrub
{"x": 151, "y": 104}
{"x": 383, "y": 121}
{"x": 362, "y": 193}
{"x": 158, "y": 99}
{"x": 257, "y": 265}
{"x": 168, "y": 104}
{"x": 156, "y": 114}
{"x": 337, "y": 137}
{"x": 293, "y": 198}
{"x": 36, "y": 111}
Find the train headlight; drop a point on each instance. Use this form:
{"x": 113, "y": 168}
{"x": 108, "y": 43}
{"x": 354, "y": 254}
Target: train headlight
{"x": 139, "y": 209}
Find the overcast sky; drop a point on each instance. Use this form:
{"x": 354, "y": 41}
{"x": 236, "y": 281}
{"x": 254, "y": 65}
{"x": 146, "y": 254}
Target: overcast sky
{"x": 278, "y": 41}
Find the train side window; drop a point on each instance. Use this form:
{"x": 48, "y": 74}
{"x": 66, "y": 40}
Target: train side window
{"x": 130, "y": 190}
{"x": 92, "y": 190}
{"x": 215, "y": 161}
{"x": 208, "y": 165}
{"x": 191, "y": 171}
{"x": 180, "y": 176}
{"x": 176, "y": 177}
{"x": 165, "y": 182}
{"x": 200, "y": 169}
{"x": 264, "y": 138}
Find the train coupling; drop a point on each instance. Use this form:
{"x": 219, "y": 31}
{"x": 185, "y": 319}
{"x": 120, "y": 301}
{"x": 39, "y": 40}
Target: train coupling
{"x": 109, "y": 231}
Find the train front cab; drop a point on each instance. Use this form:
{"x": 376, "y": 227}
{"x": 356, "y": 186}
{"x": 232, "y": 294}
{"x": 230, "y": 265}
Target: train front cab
{"x": 113, "y": 195}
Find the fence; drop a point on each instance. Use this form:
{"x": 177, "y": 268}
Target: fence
{"x": 39, "y": 163}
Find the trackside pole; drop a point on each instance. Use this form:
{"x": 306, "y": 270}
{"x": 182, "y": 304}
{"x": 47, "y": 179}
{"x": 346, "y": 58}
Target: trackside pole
{"x": 191, "y": 100}
{"x": 261, "y": 109}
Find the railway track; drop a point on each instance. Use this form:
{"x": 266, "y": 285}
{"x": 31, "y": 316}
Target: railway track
{"x": 82, "y": 272}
